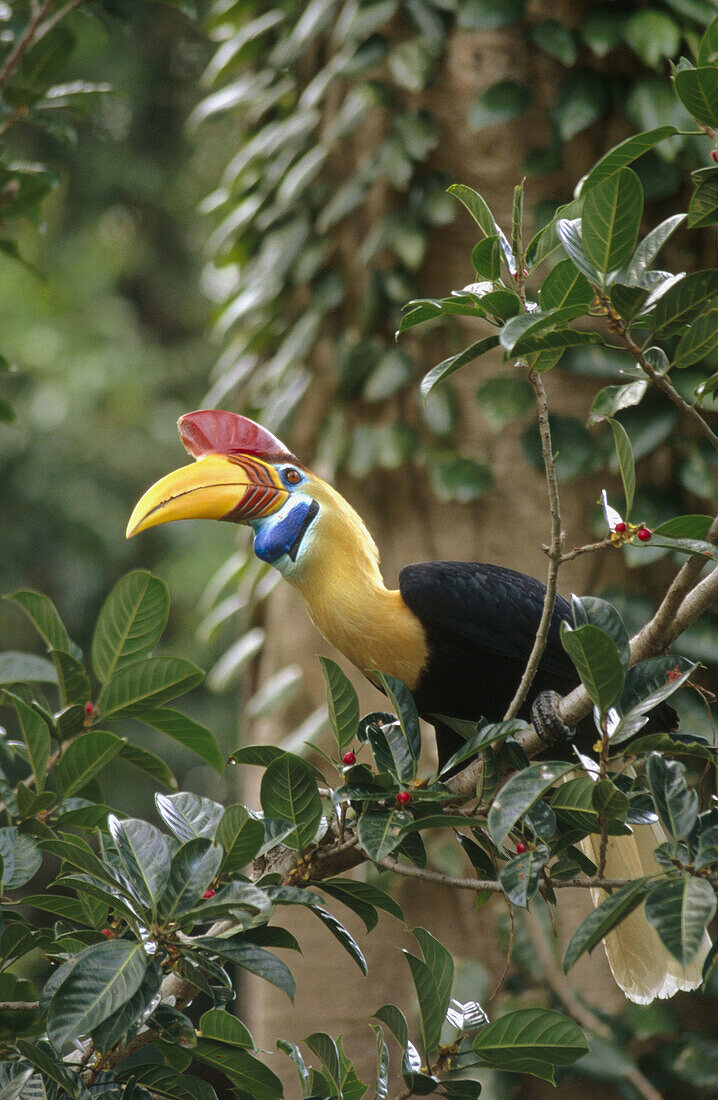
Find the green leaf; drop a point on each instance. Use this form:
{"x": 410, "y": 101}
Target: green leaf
{"x": 194, "y": 736}
{"x": 697, "y": 90}
{"x": 685, "y": 300}
{"x": 147, "y": 683}
{"x": 565, "y": 286}
{"x": 241, "y": 836}
{"x": 84, "y": 759}
{"x": 476, "y": 206}
{"x": 479, "y": 736}
{"x": 194, "y": 866}
{"x": 289, "y": 793}
{"x": 647, "y": 250}
{"x": 166, "y": 1082}
{"x": 597, "y": 661}
{"x": 611, "y": 219}
{"x": 530, "y": 1040}
{"x": 130, "y": 623}
{"x": 486, "y": 258}
{"x": 253, "y": 959}
{"x": 395, "y": 1020}
{"x": 404, "y": 707}
{"x": 363, "y": 898}
{"x": 380, "y": 831}
{"x": 626, "y": 462}
{"x": 219, "y": 1024}
{"x": 50, "y": 1067}
{"x": 391, "y": 751}
{"x": 521, "y": 876}
{"x": 72, "y": 679}
{"x": 103, "y": 978}
{"x": 36, "y": 735}
{"x": 18, "y": 668}
{"x": 569, "y": 233}
{"x": 340, "y": 933}
{"x": 501, "y": 102}
{"x": 679, "y": 910}
{"x": 149, "y": 763}
{"x": 325, "y": 1049}
{"x": 342, "y": 702}
{"x": 677, "y": 806}
{"x": 116, "y": 1027}
{"x": 600, "y": 613}
{"x": 518, "y": 330}
{"x": 455, "y": 478}
{"x": 145, "y": 856}
{"x": 430, "y": 1009}
{"x": 601, "y": 920}
{"x": 703, "y": 207}
{"x": 700, "y": 340}
{"x": 41, "y": 612}
{"x": 611, "y": 399}
{"x": 78, "y": 853}
{"x": 520, "y": 792}
{"x": 480, "y": 15}
{"x": 447, "y": 367}
{"x": 20, "y": 858}
{"x": 189, "y": 815}
{"x": 684, "y": 527}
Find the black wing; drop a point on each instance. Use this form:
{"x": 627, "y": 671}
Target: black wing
{"x": 487, "y": 606}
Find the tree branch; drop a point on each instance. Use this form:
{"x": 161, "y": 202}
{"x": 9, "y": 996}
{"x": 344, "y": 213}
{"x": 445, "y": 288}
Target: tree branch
{"x": 554, "y": 552}
{"x": 25, "y": 40}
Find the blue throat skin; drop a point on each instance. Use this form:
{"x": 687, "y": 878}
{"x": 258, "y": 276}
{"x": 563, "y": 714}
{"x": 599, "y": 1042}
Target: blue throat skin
{"x": 272, "y": 540}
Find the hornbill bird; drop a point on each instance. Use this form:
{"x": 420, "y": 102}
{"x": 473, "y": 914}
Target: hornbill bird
{"x": 458, "y": 634}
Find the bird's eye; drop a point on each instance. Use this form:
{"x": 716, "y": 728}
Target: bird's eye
{"x": 292, "y": 476}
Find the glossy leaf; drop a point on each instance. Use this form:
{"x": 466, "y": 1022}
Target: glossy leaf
{"x": 344, "y": 937}
{"x": 85, "y": 758}
{"x": 530, "y": 1040}
{"x": 241, "y": 836}
{"x": 166, "y": 1082}
{"x": 486, "y": 258}
{"x": 430, "y": 1003}
{"x": 189, "y": 815}
{"x": 516, "y": 331}
{"x": 363, "y": 898}
{"x": 147, "y": 683}
{"x": 520, "y": 792}
{"x": 103, "y": 979}
{"x": 565, "y": 286}
{"x": 700, "y": 341}
{"x": 194, "y": 866}
{"x": 685, "y": 301}
{"x": 447, "y": 367}
{"x": 404, "y": 707}
{"x": 36, "y": 735}
{"x": 697, "y": 90}
{"x": 570, "y": 235}
{"x": 684, "y": 527}
{"x": 602, "y": 919}
{"x": 677, "y": 806}
{"x": 679, "y": 910}
{"x": 611, "y": 399}
{"x": 597, "y": 661}
{"x": 130, "y": 623}
{"x": 482, "y": 735}
{"x": 380, "y": 831}
{"x": 73, "y": 681}
{"x": 626, "y": 462}
{"x": 289, "y": 793}
{"x": 624, "y": 154}
{"x": 600, "y": 613}
{"x": 226, "y": 1028}
{"x": 521, "y": 876}
{"x": 612, "y": 213}
{"x": 194, "y": 736}
{"x": 20, "y": 857}
{"x": 253, "y": 959}
{"x": 342, "y": 702}
{"x": 145, "y": 856}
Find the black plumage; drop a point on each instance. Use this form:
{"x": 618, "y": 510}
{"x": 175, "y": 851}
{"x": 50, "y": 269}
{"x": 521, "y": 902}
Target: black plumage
{"x": 480, "y": 622}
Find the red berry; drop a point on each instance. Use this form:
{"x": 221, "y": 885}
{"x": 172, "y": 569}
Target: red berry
{"x": 89, "y": 708}
{"x": 643, "y": 534}
{"x": 620, "y": 528}
{"x": 714, "y": 155}
{"x": 403, "y": 797}
{"x": 349, "y": 758}
{"x": 209, "y": 893}
{"x": 520, "y": 847}
{"x": 108, "y": 932}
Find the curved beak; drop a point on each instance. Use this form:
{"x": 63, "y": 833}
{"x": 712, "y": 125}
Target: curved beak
{"x": 237, "y": 487}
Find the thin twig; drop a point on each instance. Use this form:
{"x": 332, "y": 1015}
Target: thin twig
{"x": 577, "y": 550}
{"x": 408, "y": 870}
{"x": 554, "y": 553}
{"x": 584, "y": 1015}
{"x": 618, "y": 325}
{"x": 59, "y": 16}
{"x": 25, "y": 40}
{"x": 19, "y": 1006}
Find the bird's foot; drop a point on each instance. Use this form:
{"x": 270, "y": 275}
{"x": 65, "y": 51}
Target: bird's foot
{"x": 546, "y": 720}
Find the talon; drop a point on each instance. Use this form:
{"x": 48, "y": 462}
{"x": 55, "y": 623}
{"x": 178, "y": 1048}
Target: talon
{"x": 545, "y": 718}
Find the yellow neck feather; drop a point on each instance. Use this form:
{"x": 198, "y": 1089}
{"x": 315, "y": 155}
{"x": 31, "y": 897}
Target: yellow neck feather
{"x": 347, "y": 600}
